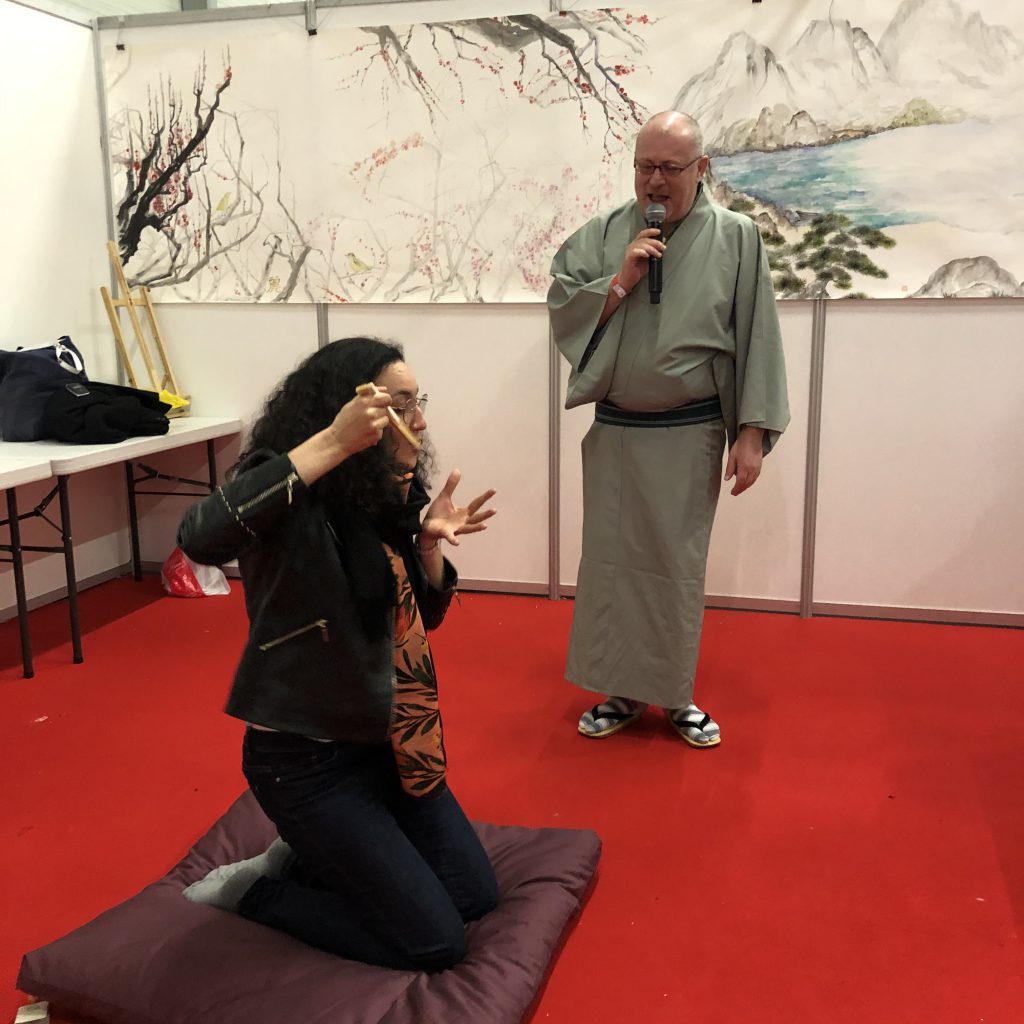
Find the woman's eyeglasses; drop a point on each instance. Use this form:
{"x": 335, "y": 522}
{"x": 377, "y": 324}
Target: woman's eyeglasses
{"x": 408, "y": 410}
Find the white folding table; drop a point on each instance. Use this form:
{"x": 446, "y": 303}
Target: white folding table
{"x": 65, "y": 460}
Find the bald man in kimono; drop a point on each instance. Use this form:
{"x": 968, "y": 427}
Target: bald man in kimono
{"x": 672, "y": 383}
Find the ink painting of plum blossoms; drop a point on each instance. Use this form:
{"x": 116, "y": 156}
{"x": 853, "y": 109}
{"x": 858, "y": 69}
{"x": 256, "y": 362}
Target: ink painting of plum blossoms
{"x": 877, "y": 145}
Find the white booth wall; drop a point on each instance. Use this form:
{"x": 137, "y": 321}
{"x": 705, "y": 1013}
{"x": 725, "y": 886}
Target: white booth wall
{"x": 485, "y": 369}
{"x": 226, "y": 358}
{"x": 921, "y": 488}
{"x": 54, "y": 261}
{"x": 922, "y": 401}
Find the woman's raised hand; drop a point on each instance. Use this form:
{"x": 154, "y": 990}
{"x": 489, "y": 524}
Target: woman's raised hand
{"x": 446, "y": 519}
{"x": 360, "y": 423}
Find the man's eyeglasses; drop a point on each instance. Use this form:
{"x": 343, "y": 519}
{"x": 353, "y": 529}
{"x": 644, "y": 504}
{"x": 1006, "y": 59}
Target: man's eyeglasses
{"x": 647, "y": 168}
{"x": 408, "y": 410}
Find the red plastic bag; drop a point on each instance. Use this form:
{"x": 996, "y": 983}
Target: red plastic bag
{"x": 184, "y": 578}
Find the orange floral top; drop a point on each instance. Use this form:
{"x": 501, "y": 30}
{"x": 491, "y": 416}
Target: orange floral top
{"x": 415, "y": 719}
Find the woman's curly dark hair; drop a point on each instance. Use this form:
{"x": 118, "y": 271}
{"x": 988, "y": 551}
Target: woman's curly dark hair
{"x": 307, "y": 401}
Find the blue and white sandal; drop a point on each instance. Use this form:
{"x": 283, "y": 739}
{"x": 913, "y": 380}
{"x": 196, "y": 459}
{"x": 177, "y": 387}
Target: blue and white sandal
{"x": 609, "y": 717}
{"x": 694, "y": 726}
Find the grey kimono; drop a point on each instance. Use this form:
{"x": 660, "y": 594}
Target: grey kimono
{"x": 649, "y": 493}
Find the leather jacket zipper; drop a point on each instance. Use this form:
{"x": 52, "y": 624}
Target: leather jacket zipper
{"x": 320, "y": 624}
{"x": 288, "y": 482}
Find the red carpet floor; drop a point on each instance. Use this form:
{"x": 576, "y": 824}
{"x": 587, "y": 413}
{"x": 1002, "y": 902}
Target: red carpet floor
{"x": 853, "y": 852}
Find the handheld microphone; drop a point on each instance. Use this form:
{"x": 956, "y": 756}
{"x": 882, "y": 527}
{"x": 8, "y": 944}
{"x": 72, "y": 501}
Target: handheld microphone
{"x": 654, "y": 217}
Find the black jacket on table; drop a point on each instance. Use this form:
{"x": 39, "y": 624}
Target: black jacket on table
{"x": 310, "y": 665}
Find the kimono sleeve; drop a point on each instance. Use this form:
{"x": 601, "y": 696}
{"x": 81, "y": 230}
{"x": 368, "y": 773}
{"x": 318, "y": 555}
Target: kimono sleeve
{"x": 761, "y": 397}
{"x": 576, "y": 299}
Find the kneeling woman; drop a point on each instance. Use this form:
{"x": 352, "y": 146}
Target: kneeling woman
{"x": 343, "y": 748}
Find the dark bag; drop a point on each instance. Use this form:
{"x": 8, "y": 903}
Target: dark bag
{"x": 103, "y": 414}
{"x": 28, "y": 378}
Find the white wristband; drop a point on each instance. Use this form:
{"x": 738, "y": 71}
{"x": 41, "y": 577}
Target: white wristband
{"x": 617, "y": 288}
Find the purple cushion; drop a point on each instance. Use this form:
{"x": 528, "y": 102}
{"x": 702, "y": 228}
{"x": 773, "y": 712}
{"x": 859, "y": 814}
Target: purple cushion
{"x": 159, "y": 959}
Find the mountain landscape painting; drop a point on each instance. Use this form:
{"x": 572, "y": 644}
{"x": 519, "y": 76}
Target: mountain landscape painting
{"x": 863, "y": 154}
{"x": 877, "y": 144}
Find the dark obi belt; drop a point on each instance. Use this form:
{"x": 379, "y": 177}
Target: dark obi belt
{"x": 701, "y": 411}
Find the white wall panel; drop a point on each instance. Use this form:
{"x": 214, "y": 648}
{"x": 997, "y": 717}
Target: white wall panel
{"x": 53, "y": 197}
{"x": 485, "y": 369}
{"x": 55, "y": 258}
{"x": 757, "y": 541}
{"x": 227, "y": 358}
{"x": 922, "y": 476}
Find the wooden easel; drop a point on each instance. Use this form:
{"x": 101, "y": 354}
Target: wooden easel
{"x": 159, "y": 379}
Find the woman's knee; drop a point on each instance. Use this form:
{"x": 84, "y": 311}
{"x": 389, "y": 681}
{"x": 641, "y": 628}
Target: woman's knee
{"x": 481, "y": 904}
{"x": 444, "y": 950}
{"x": 482, "y": 900}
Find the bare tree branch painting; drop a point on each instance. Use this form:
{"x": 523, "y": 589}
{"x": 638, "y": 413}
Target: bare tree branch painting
{"x": 453, "y": 208}
{"x": 165, "y": 151}
{"x": 542, "y": 61}
{"x": 194, "y": 202}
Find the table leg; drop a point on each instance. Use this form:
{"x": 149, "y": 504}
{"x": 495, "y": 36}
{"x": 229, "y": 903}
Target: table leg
{"x": 19, "y": 583}
{"x": 133, "y": 522}
{"x": 211, "y": 461}
{"x": 69, "y": 569}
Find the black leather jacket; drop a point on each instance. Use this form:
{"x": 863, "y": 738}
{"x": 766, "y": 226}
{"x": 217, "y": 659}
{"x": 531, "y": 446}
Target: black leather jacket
{"x": 308, "y": 666}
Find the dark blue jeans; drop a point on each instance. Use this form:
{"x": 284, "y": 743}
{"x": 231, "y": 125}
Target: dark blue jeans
{"x": 377, "y": 875}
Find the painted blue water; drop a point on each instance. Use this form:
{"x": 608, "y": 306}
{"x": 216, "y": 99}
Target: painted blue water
{"x": 907, "y": 176}
{"x": 823, "y": 179}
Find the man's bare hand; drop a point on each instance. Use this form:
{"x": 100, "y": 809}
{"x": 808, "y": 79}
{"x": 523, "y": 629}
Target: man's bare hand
{"x": 745, "y": 458}
{"x": 636, "y": 259}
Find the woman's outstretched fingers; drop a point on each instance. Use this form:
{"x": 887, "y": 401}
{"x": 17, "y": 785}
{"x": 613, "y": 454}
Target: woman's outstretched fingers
{"x": 475, "y": 504}
{"x": 453, "y": 481}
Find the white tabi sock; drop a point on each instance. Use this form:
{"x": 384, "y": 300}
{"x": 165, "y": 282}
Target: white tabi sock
{"x": 224, "y": 886}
